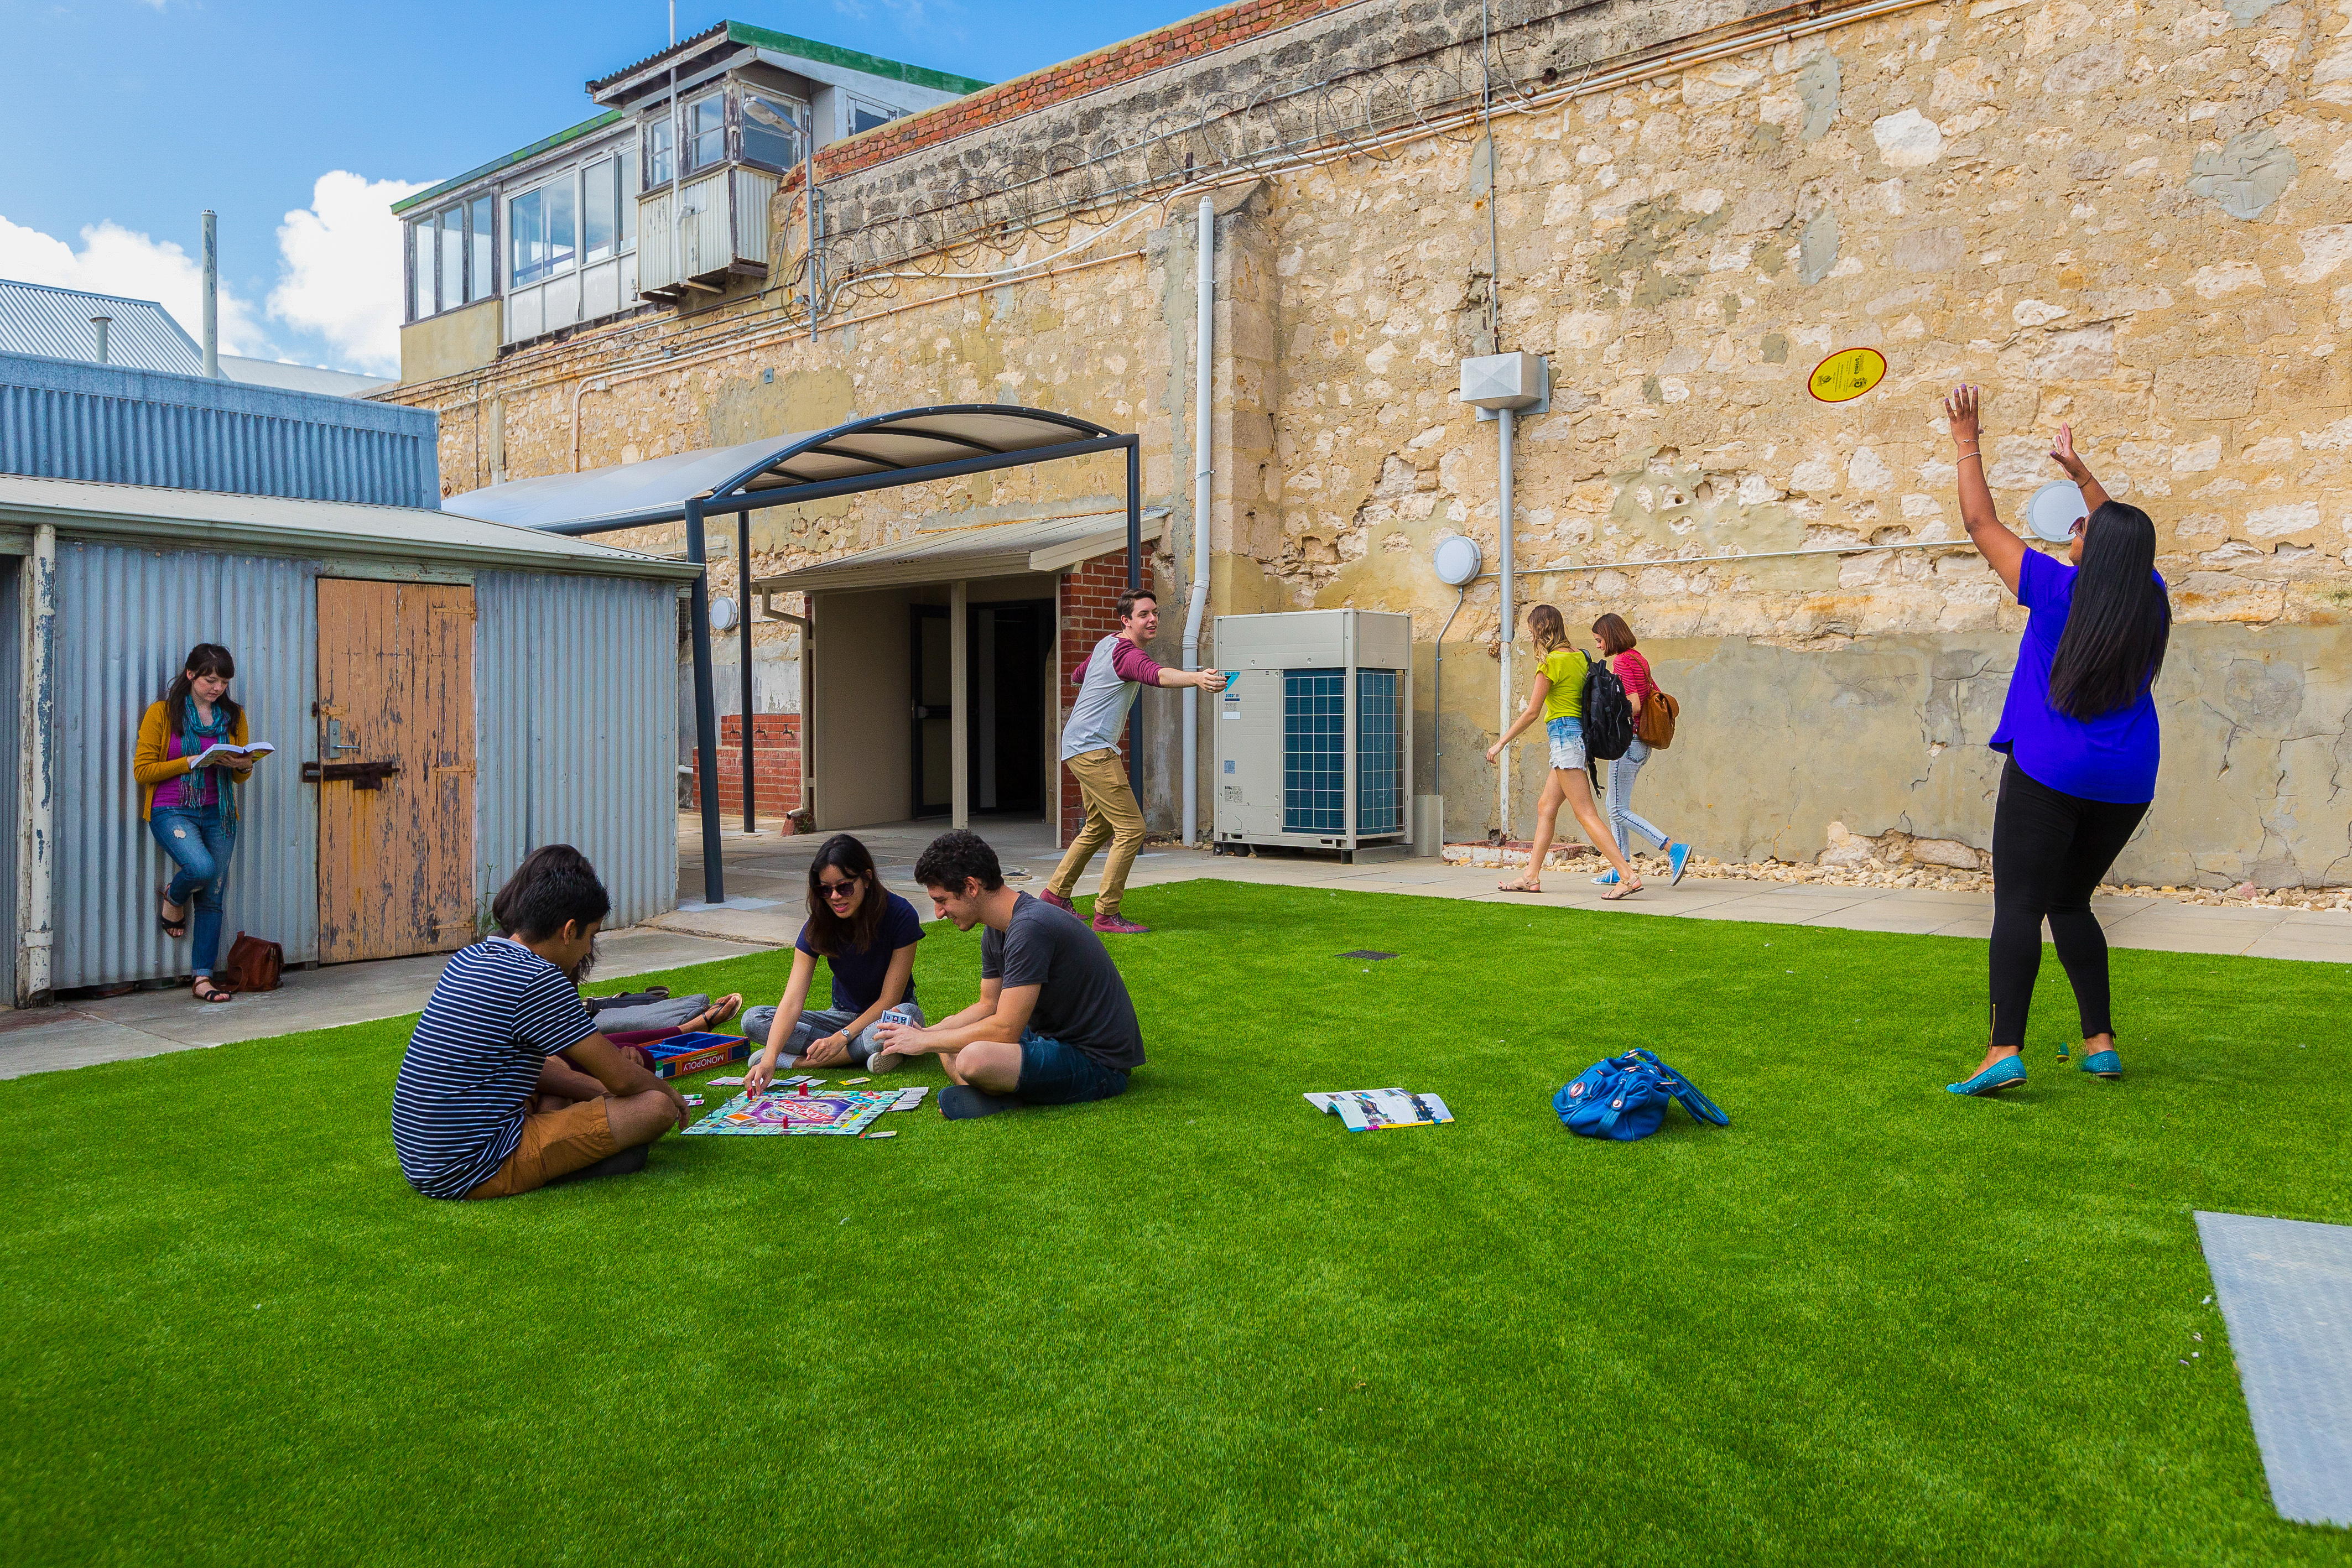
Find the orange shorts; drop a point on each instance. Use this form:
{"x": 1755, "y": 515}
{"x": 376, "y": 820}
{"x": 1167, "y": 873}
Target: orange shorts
{"x": 554, "y": 1144}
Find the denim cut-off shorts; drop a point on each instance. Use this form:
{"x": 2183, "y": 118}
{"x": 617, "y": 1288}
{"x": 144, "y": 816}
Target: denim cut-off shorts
{"x": 1567, "y": 738}
{"x": 1055, "y": 1073}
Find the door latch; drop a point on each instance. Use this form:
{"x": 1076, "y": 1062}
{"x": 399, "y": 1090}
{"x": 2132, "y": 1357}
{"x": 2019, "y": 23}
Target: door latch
{"x": 335, "y": 746}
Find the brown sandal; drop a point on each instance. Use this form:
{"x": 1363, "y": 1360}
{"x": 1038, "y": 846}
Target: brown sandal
{"x": 1621, "y": 891}
{"x": 1522, "y": 886}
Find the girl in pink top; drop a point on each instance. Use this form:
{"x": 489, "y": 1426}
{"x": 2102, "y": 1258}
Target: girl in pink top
{"x": 1632, "y": 668}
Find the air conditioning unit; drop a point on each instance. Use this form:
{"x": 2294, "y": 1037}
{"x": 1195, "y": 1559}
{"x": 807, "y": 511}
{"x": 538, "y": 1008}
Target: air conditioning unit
{"x": 1314, "y": 729}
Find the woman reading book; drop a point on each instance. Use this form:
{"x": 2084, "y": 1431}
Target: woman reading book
{"x": 187, "y": 793}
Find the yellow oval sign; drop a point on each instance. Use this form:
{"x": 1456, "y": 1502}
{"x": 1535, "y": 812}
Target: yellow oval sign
{"x": 1847, "y": 374}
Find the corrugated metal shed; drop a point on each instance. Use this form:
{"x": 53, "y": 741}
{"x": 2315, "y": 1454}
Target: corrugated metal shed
{"x": 574, "y": 700}
{"x": 36, "y": 319}
{"x": 61, "y": 420}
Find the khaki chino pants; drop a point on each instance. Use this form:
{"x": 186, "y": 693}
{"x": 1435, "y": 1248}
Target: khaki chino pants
{"x": 1113, "y": 817}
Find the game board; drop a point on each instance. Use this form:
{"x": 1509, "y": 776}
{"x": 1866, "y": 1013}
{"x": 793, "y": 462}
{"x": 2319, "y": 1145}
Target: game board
{"x": 781, "y": 1112}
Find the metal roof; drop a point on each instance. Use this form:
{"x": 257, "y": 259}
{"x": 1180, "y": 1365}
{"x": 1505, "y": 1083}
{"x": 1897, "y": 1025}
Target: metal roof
{"x": 508, "y": 160}
{"x": 987, "y": 550}
{"x": 863, "y": 455}
{"x": 36, "y": 319}
{"x": 276, "y": 525}
{"x": 300, "y": 378}
{"x": 744, "y": 35}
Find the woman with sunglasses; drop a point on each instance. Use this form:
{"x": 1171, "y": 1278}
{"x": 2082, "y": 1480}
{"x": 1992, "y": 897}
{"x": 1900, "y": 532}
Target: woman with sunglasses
{"x": 2079, "y": 731}
{"x": 868, "y": 935}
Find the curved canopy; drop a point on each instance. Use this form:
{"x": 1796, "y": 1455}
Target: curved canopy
{"x": 908, "y": 447}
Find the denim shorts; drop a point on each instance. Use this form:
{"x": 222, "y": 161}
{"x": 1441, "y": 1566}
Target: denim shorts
{"x": 1567, "y": 738}
{"x": 1053, "y": 1073}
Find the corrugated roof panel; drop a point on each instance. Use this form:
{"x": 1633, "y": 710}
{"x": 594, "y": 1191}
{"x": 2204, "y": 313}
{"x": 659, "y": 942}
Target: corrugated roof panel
{"x": 36, "y": 319}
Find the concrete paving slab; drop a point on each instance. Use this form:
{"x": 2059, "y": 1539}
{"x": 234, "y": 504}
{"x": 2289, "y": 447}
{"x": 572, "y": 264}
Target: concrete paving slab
{"x": 1904, "y": 922}
{"x": 2277, "y": 947}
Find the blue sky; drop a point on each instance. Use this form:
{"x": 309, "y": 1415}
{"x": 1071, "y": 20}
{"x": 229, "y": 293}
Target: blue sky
{"x": 140, "y": 113}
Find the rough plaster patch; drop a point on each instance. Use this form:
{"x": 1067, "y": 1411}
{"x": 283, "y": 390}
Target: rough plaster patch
{"x": 2247, "y": 12}
{"x": 2246, "y": 175}
{"x": 1817, "y": 247}
{"x": 1909, "y": 140}
{"x": 1817, "y": 89}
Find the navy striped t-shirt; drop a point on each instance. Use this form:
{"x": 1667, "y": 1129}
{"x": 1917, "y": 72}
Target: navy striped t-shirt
{"x": 497, "y": 1013}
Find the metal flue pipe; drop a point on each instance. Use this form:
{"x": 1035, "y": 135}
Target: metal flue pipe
{"x": 97, "y": 326}
{"x": 1204, "y": 469}
{"x": 1505, "y": 420}
{"x": 212, "y": 295}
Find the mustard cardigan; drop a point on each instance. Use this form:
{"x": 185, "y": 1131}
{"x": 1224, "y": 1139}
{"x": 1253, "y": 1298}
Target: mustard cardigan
{"x": 151, "y": 767}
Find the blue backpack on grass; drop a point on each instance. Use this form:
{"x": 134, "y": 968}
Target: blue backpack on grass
{"x": 1625, "y": 1098}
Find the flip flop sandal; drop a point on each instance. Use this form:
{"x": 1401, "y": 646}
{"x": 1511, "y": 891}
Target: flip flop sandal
{"x": 220, "y": 993}
{"x": 178, "y": 930}
{"x": 1622, "y": 891}
{"x": 1518, "y": 886}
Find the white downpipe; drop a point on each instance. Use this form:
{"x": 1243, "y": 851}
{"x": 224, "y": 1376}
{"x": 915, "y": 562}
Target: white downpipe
{"x": 36, "y": 776}
{"x": 1506, "y": 417}
{"x": 1203, "y": 466}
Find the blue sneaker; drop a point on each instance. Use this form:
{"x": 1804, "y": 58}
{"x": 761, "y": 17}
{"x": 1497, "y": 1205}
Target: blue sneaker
{"x": 1677, "y": 857}
{"x": 1606, "y": 879}
{"x": 2009, "y": 1070}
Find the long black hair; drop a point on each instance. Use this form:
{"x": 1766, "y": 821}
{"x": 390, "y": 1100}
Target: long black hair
{"x": 2120, "y": 621}
{"x": 828, "y": 933}
{"x": 204, "y": 659}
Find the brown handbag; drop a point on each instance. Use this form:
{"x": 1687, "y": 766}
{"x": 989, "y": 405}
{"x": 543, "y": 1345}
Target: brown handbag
{"x": 253, "y": 964}
{"x": 1655, "y": 722}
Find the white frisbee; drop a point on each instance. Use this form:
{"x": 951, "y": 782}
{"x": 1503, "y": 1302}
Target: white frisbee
{"x": 2050, "y": 514}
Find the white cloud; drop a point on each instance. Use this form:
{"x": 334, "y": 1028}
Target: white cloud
{"x": 119, "y": 261}
{"x": 339, "y": 269}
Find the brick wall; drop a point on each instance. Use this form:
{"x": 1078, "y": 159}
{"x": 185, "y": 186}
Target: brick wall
{"x": 1189, "y": 39}
{"x": 1090, "y": 612}
{"x": 776, "y": 763}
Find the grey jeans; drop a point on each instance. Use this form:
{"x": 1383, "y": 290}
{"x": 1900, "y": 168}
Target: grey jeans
{"x": 1620, "y": 805}
{"x": 671, "y": 1014}
{"x": 818, "y": 1022}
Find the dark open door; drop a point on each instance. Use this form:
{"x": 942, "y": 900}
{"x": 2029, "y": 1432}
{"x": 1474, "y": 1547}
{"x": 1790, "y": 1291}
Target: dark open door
{"x": 932, "y": 663}
{"x": 1010, "y": 645}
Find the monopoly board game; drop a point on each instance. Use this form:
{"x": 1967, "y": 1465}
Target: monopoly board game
{"x": 782, "y": 1111}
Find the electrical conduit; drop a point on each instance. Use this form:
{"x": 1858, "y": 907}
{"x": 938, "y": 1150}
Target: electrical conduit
{"x": 1203, "y": 466}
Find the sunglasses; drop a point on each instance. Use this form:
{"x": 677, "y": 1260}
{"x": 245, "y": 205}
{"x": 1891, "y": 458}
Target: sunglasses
{"x": 2082, "y": 526}
{"x": 836, "y": 891}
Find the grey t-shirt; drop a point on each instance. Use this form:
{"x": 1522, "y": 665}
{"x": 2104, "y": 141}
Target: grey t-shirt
{"x": 1081, "y": 1000}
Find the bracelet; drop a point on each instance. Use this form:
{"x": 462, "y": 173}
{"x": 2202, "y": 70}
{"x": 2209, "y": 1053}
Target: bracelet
{"x": 1965, "y": 456}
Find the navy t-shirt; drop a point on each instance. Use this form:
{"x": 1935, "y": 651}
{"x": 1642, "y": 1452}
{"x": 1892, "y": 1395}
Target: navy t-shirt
{"x": 857, "y": 977}
{"x": 2111, "y": 757}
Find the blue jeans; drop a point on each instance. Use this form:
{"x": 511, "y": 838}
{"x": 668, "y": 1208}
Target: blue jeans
{"x": 1621, "y": 818}
{"x": 1053, "y": 1073}
{"x": 199, "y": 843}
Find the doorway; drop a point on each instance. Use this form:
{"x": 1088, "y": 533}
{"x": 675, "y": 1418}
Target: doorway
{"x": 1008, "y": 659}
{"x": 396, "y": 774}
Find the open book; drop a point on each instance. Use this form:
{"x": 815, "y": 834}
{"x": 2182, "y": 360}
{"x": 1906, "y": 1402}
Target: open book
{"x": 224, "y": 752}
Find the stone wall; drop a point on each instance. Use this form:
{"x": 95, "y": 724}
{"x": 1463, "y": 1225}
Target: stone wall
{"x": 2132, "y": 218}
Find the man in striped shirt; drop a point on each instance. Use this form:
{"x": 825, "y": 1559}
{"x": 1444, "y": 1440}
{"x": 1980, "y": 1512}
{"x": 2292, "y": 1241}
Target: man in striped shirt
{"x": 507, "y": 1085}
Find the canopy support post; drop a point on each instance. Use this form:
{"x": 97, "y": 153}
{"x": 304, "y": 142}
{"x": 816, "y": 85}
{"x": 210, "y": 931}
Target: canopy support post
{"x": 1134, "y": 580}
{"x": 743, "y": 620}
{"x": 706, "y": 710}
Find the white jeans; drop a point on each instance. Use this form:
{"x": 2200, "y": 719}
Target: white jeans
{"x": 1621, "y": 820}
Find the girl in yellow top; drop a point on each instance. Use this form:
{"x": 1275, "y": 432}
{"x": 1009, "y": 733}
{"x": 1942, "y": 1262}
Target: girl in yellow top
{"x": 1558, "y": 698}
{"x": 191, "y": 811}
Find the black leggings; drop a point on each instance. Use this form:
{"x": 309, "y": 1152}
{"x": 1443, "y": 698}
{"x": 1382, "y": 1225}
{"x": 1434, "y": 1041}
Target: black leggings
{"x": 2049, "y": 851}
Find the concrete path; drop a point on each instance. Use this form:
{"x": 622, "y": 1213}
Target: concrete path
{"x": 149, "y": 1023}
{"x": 767, "y": 893}
{"x": 775, "y": 871}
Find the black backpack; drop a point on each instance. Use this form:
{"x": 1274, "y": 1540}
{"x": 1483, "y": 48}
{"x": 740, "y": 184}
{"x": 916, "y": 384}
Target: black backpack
{"x": 1607, "y": 715}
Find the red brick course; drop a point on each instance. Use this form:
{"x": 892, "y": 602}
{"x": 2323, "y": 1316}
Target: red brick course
{"x": 1088, "y": 610}
{"x": 775, "y": 764}
{"x": 1203, "y": 35}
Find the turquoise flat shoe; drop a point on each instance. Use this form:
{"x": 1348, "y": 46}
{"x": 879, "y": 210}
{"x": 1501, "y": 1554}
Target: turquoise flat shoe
{"x": 2106, "y": 1064}
{"x": 1992, "y": 1079}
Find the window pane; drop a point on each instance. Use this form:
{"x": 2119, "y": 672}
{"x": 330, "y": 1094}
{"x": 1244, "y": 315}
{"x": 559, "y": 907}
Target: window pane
{"x": 453, "y": 257}
{"x": 657, "y": 145}
{"x": 628, "y": 200}
{"x": 562, "y": 233}
{"x": 527, "y": 238}
{"x": 420, "y": 262}
{"x": 706, "y": 131}
{"x": 772, "y": 130}
{"x": 864, "y": 119}
{"x": 597, "y": 212}
{"x": 483, "y": 254}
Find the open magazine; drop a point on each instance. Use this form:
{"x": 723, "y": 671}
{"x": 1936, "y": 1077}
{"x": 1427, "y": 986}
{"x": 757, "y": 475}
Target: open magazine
{"x": 1368, "y": 1110}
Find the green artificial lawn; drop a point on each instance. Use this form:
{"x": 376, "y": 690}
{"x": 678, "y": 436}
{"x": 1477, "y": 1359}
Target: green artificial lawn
{"x": 1868, "y": 1323}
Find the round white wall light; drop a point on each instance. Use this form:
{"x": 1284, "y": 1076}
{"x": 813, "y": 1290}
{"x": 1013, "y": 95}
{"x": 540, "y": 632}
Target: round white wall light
{"x": 722, "y": 614}
{"x": 1456, "y": 560}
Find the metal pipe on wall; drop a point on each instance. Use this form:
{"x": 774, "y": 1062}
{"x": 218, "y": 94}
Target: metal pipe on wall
{"x": 1204, "y": 469}
{"x": 36, "y": 798}
{"x": 212, "y": 295}
{"x": 97, "y": 326}
{"x": 706, "y": 710}
{"x": 743, "y": 624}
{"x": 1505, "y": 419}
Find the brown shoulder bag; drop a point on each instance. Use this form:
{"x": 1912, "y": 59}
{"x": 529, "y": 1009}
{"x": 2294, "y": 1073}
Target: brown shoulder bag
{"x": 1655, "y": 722}
{"x": 253, "y": 964}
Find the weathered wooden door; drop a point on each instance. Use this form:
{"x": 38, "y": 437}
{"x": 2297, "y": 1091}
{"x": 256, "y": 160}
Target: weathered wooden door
{"x": 396, "y": 766}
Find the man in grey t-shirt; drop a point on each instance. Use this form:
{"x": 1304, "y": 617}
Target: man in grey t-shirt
{"x": 1054, "y": 1024}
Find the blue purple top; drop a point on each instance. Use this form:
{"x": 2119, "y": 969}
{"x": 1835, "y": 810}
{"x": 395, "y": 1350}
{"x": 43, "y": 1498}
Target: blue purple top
{"x": 2111, "y": 757}
{"x": 190, "y": 791}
